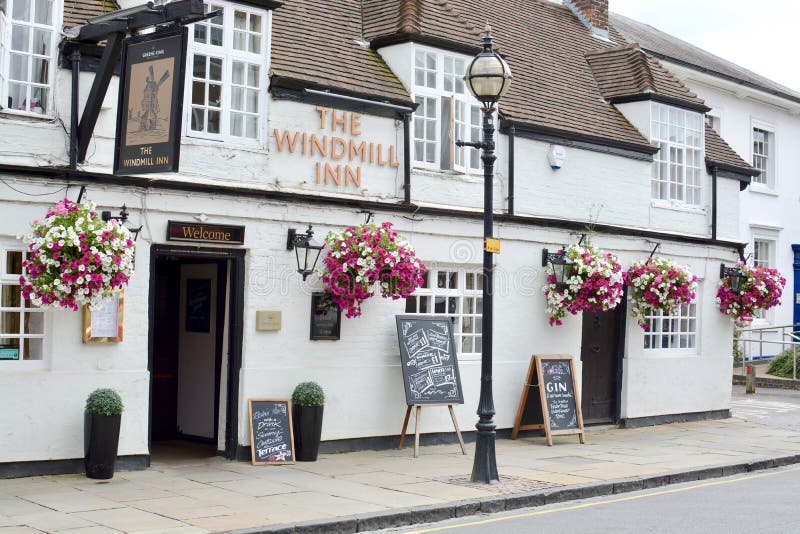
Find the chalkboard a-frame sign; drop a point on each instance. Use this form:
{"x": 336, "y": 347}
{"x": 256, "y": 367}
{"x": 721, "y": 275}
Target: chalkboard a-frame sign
{"x": 271, "y": 437}
{"x": 554, "y": 402}
{"x": 428, "y": 359}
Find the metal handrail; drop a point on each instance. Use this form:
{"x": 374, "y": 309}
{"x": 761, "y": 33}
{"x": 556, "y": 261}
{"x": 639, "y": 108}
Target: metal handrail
{"x": 793, "y": 340}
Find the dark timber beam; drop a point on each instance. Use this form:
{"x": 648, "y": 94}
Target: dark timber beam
{"x": 181, "y": 12}
{"x": 98, "y": 92}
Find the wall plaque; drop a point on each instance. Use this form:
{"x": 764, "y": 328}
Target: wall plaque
{"x": 150, "y": 103}
{"x": 205, "y": 233}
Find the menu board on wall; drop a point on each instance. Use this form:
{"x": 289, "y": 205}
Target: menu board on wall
{"x": 271, "y": 438}
{"x": 428, "y": 359}
{"x": 104, "y": 324}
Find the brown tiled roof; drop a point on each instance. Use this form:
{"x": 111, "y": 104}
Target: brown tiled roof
{"x": 719, "y": 153}
{"x": 315, "y": 43}
{"x": 553, "y": 90}
{"x": 76, "y": 12}
{"x": 434, "y": 18}
{"x": 625, "y": 73}
{"x": 671, "y": 48}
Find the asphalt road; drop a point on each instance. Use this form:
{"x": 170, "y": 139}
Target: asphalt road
{"x": 770, "y": 407}
{"x": 761, "y": 502}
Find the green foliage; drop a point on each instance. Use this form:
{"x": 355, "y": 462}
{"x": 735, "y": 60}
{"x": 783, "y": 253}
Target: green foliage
{"x": 104, "y": 402}
{"x": 737, "y": 348}
{"x": 308, "y": 394}
{"x": 782, "y": 364}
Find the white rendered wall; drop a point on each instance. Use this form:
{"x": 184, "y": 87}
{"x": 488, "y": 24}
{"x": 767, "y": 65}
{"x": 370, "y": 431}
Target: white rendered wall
{"x": 766, "y": 213}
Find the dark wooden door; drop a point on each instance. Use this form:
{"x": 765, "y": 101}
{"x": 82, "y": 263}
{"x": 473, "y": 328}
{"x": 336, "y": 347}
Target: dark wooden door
{"x": 600, "y": 358}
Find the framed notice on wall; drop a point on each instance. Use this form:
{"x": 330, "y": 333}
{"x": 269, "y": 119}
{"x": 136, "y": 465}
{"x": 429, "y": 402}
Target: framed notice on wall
{"x": 326, "y": 317}
{"x": 104, "y": 325}
{"x": 150, "y": 103}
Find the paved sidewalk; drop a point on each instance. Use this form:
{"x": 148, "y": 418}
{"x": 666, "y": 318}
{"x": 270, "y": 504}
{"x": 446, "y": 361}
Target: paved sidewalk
{"x": 369, "y": 490}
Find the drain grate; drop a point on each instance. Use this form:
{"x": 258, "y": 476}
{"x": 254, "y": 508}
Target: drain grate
{"x": 507, "y": 485}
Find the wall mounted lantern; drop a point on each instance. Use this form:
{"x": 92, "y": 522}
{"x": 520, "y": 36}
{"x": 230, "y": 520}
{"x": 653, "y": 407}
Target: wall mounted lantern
{"x": 734, "y": 274}
{"x": 311, "y": 247}
{"x": 122, "y": 218}
{"x": 562, "y": 266}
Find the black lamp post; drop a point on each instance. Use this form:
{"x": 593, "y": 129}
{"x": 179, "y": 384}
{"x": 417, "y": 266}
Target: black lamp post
{"x": 312, "y": 248}
{"x": 488, "y": 78}
{"x": 562, "y": 266}
{"x": 734, "y": 274}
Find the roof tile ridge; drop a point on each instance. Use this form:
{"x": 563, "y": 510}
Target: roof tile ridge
{"x": 644, "y": 70}
{"x": 410, "y": 16}
{"x": 611, "y": 50}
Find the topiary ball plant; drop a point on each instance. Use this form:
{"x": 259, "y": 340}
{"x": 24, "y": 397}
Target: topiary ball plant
{"x": 308, "y": 394}
{"x": 104, "y": 402}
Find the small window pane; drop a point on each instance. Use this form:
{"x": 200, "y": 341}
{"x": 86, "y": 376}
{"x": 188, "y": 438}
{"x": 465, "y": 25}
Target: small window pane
{"x": 216, "y": 36}
{"x": 20, "y": 38}
{"x": 213, "y": 121}
{"x": 22, "y": 10}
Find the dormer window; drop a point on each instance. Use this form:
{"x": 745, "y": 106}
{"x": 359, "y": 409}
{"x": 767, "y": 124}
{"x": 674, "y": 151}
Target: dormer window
{"x": 446, "y": 113}
{"x": 678, "y": 168}
{"x": 227, "y": 74}
{"x": 27, "y": 54}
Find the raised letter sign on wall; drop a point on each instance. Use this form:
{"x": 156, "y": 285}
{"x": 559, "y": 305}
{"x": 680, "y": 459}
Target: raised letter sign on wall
{"x": 150, "y": 103}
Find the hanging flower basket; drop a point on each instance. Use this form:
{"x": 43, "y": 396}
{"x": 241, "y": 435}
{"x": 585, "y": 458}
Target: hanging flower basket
{"x": 761, "y": 289}
{"x": 75, "y": 258}
{"x": 362, "y": 256}
{"x": 659, "y": 284}
{"x": 596, "y": 284}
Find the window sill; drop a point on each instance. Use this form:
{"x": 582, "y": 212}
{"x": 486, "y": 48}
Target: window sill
{"x": 471, "y": 177}
{"x": 247, "y": 146}
{"x": 762, "y": 189}
{"x": 29, "y": 116}
{"x": 677, "y": 206}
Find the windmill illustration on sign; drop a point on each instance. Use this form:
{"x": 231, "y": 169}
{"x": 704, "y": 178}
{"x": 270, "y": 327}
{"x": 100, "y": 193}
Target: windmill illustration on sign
{"x": 149, "y": 115}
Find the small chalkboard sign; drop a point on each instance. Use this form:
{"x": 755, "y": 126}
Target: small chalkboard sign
{"x": 428, "y": 359}
{"x": 326, "y": 317}
{"x": 555, "y": 406}
{"x": 271, "y": 437}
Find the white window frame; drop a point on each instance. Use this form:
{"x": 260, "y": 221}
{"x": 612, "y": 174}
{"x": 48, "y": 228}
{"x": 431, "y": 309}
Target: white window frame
{"x": 229, "y": 55}
{"x": 683, "y": 317}
{"x": 760, "y": 241}
{"x": 11, "y": 279}
{"x": 5, "y": 53}
{"x": 462, "y": 158}
{"x": 432, "y": 292}
{"x": 762, "y": 181}
{"x": 677, "y": 186}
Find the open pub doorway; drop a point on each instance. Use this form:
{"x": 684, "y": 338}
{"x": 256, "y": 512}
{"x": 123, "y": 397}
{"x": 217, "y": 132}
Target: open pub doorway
{"x": 191, "y": 413}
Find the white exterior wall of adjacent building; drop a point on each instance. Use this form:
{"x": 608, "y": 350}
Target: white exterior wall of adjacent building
{"x": 591, "y": 187}
{"x": 767, "y": 212}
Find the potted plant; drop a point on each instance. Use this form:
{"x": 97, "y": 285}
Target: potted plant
{"x": 596, "y": 284}
{"x": 101, "y": 432}
{"x": 308, "y": 401}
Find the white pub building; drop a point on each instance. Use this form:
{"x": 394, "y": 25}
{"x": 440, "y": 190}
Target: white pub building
{"x": 307, "y": 112}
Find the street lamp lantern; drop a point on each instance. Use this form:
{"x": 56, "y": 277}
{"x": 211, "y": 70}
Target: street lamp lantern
{"x": 311, "y": 250}
{"x": 562, "y": 266}
{"x": 734, "y": 274}
{"x": 488, "y": 78}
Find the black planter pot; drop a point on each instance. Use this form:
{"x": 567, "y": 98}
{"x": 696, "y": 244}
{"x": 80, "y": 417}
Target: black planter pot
{"x": 100, "y": 440}
{"x": 307, "y": 432}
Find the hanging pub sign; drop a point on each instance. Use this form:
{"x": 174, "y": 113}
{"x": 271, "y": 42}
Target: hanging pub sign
{"x": 150, "y": 103}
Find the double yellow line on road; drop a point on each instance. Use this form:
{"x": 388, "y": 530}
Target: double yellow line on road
{"x": 599, "y": 503}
